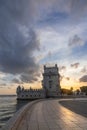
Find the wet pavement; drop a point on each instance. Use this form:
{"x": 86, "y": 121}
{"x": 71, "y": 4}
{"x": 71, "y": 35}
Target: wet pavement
{"x": 77, "y": 106}
{"x": 50, "y": 115}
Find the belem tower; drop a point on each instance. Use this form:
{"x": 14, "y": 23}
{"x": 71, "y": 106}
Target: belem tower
{"x": 50, "y": 86}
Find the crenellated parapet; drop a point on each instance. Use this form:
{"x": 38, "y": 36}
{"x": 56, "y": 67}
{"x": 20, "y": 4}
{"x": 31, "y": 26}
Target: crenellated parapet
{"x": 30, "y": 93}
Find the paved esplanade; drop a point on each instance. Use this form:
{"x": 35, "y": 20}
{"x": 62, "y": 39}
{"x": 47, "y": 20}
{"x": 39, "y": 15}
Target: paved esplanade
{"x": 50, "y": 115}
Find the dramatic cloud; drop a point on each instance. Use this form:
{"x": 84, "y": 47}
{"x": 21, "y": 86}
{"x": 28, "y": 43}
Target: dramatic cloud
{"x": 18, "y": 41}
{"x": 64, "y": 77}
{"x": 84, "y": 70}
{"x": 75, "y": 41}
{"x": 62, "y": 68}
{"x": 16, "y": 57}
{"x": 17, "y": 81}
{"x": 30, "y": 76}
{"x": 75, "y": 65}
{"x": 83, "y": 78}
{"x": 78, "y": 7}
{"x": 2, "y": 84}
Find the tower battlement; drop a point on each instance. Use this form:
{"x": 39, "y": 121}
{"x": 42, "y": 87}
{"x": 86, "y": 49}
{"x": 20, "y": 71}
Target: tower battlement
{"x": 50, "y": 83}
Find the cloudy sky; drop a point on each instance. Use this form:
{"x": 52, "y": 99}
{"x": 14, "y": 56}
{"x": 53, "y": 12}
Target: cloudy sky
{"x": 37, "y": 32}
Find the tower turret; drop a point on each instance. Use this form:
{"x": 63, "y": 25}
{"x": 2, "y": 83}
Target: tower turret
{"x": 18, "y": 90}
{"x": 51, "y": 81}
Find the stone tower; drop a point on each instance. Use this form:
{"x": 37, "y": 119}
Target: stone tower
{"x": 51, "y": 81}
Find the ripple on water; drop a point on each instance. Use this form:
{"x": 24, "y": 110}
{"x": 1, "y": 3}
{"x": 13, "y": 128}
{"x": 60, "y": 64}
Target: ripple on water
{"x": 8, "y": 106}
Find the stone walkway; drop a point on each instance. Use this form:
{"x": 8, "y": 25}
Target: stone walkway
{"x": 50, "y": 115}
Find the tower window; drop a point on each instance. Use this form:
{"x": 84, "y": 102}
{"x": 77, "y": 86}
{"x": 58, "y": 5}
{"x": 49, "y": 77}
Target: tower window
{"x": 50, "y": 84}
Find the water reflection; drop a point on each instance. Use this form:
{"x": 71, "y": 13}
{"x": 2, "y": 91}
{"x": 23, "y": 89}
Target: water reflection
{"x": 8, "y": 106}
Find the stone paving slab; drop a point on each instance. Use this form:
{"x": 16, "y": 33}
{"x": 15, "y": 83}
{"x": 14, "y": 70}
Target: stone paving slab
{"x": 50, "y": 115}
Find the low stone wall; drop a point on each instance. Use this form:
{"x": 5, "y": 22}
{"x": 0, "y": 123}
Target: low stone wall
{"x": 15, "y": 120}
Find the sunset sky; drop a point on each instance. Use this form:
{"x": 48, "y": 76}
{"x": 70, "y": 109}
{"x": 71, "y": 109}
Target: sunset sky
{"x": 38, "y": 32}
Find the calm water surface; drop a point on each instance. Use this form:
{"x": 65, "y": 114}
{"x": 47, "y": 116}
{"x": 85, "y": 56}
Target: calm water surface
{"x": 8, "y": 106}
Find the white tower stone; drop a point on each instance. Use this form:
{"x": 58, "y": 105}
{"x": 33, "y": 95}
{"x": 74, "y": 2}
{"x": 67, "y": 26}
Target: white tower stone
{"x": 51, "y": 81}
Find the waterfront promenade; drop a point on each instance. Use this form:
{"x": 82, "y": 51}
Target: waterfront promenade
{"x": 50, "y": 115}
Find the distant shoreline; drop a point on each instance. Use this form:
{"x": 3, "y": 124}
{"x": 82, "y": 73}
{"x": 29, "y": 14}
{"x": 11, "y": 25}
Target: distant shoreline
{"x": 7, "y": 95}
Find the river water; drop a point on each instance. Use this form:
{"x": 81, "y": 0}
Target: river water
{"x": 8, "y": 106}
